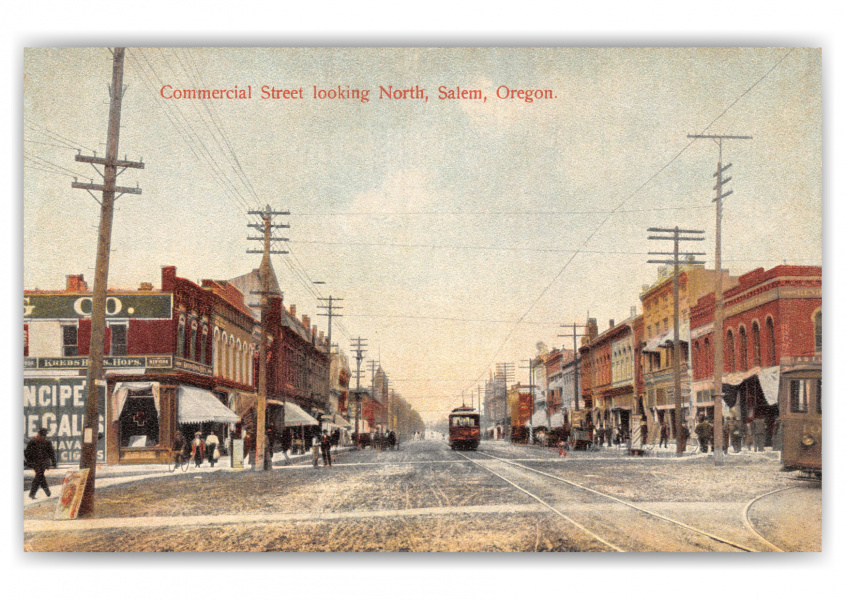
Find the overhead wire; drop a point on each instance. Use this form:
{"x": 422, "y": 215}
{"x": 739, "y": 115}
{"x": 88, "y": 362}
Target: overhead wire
{"x": 620, "y": 205}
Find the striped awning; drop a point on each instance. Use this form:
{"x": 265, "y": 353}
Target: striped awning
{"x": 196, "y": 405}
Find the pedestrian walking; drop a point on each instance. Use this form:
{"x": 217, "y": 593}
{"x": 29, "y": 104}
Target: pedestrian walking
{"x": 759, "y": 432}
{"x": 212, "y": 449}
{"x": 665, "y": 435}
{"x": 392, "y": 440}
{"x": 198, "y": 448}
{"x": 701, "y": 431}
{"x": 315, "y": 451}
{"x": 39, "y": 455}
{"x": 326, "y": 449}
{"x": 736, "y": 435}
{"x": 684, "y": 435}
{"x": 747, "y": 435}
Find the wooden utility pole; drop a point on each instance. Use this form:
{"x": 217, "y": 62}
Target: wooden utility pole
{"x": 718, "y": 291}
{"x": 265, "y": 272}
{"x": 676, "y": 238}
{"x": 329, "y": 308}
{"x": 110, "y": 164}
{"x": 575, "y": 364}
{"x": 506, "y": 370}
{"x": 359, "y": 348}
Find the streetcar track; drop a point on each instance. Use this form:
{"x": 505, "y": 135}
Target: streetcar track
{"x": 594, "y": 535}
{"x": 618, "y": 500}
{"x": 748, "y": 523}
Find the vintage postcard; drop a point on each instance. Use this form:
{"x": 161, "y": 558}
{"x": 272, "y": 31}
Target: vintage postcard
{"x": 422, "y": 299}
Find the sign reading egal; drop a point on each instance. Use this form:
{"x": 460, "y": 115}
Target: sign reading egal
{"x": 121, "y": 306}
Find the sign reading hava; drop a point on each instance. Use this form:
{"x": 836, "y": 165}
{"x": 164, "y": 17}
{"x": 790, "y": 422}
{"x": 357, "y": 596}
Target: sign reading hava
{"x": 58, "y": 404}
{"x": 118, "y": 306}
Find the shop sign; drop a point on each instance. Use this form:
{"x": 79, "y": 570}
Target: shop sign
{"x": 109, "y": 362}
{"x": 237, "y": 453}
{"x": 191, "y": 366}
{"x": 73, "y": 488}
{"x": 58, "y": 405}
{"x": 119, "y": 306}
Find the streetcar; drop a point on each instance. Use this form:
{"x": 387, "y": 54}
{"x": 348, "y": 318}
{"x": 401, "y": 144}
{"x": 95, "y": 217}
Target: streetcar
{"x": 581, "y": 429}
{"x": 800, "y": 412}
{"x": 464, "y": 431}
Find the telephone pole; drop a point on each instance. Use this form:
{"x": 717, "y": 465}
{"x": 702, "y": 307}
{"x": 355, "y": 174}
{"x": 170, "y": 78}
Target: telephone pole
{"x": 110, "y": 164}
{"x": 718, "y": 290}
{"x": 359, "y": 347}
{"x": 676, "y": 237}
{"x": 576, "y": 361}
{"x": 329, "y": 308}
{"x": 265, "y": 272}
{"x": 506, "y": 371}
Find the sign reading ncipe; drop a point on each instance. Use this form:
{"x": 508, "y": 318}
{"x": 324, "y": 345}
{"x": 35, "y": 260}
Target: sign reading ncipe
{"x": 58, "y": 405}
{"x": 121, "y": 306}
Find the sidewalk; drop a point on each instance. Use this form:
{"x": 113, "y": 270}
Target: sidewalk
{"x": 651, "y": 451}
{"x": 109, "y": 475}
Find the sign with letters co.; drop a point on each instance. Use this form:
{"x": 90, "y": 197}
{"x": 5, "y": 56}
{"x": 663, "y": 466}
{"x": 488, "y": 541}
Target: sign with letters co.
{"x": 118, "y": 306}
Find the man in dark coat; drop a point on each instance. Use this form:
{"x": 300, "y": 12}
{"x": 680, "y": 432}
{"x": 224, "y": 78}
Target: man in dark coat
{"x": 40, "y": 456}
{"x": 326, "y": 450}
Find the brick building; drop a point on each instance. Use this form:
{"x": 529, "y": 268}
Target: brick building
{"x": 770, "y": 316}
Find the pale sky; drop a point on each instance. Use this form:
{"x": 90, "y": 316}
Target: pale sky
{"x": 441, "y": 223}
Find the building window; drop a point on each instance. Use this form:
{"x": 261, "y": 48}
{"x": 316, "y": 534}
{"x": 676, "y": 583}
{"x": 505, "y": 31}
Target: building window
{"x": 771, "y": 358}
{"x": 707, "y": 361}
{"x": 193, "y": 346}
{"x": 743, "y": 351}
{"x": 756, "y": 344}
{"x": 818, "y": 332}
{"x": 204, "y": 344}
{"x": 799, "y": 389}
{"x": 70, "y": 340}
{"x": 26, "y": 339}
{"x": 730, "y": 351}
{"x": 118, "y": 345}
{"x": 180, "y": 336}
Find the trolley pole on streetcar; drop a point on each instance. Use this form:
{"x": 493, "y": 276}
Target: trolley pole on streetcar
{"x": 676, "y": 237}
{"x": 718, "y": 290}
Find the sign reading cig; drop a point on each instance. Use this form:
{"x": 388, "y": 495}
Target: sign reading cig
{"x": 120, "y": 306}
{"x": 58, "y": 405}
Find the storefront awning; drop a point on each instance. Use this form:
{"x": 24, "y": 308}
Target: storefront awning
{"x": 201, "y": 406}
{"x": 294, "y": 415}
{"x": 539, "y": 418}
{"x": 768, "y": 379}
{"x": 556, "y": 420}
{"x": 341, "y": 421}
{"x": 666, "y": 340}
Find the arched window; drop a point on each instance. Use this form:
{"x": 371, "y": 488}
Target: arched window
{"x": 743, "y": 349}
{"x": 771, "y": 343}
{"x": 729, "y": 358}
{"x": 818, "y": 332}
{"x": 192, "y": 349}
{"x": 756, "y": 343}
{"x": 709, "y": 367}
{"x": 204, "y": 344}
{"x": 180, "y": 336}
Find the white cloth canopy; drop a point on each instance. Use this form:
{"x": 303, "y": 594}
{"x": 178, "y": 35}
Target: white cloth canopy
{"x": 122, "y": 389}
{"x": 196, "y": 405}
{"x": 556, "y": 420}
{"x": 539, "y": 418}
{"x": 769, "y": 379}
{"x": 294, "y": 415}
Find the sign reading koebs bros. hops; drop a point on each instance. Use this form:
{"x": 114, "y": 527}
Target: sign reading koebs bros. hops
{"x": 58, "y": 405}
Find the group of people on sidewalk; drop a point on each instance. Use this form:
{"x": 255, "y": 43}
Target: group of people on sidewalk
{"x": 752, "y": 434}
{"x": 199, "y": 448}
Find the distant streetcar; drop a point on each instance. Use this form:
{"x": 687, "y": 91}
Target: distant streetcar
{"x": 800, "y": 412}
{"x": 464, "y": 430}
